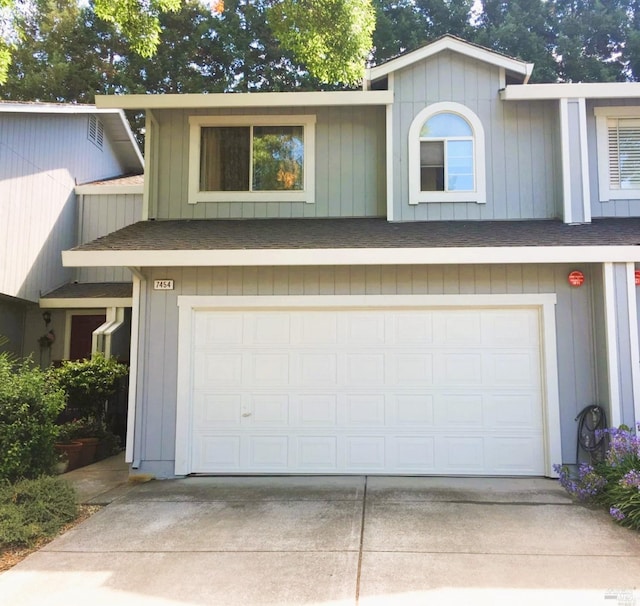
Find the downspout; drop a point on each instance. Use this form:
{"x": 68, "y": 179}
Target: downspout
{"x": 139, "y": 282}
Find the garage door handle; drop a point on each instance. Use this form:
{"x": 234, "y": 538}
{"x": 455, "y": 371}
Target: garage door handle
{"x": 246, "y": 414}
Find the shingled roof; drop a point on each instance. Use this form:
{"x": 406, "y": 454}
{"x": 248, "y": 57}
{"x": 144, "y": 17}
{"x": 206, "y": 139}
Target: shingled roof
{"x": 256, "y": 234}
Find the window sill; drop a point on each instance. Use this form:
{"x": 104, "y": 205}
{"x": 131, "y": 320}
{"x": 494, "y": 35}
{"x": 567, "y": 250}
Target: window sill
{"x": 620, "y": 194}
{"x": 282, "y": 196}
{"x": 441, "y": 197}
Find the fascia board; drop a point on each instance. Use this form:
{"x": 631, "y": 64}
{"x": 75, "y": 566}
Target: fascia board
{"x": 84, "y": 303}
{"x": 235, "y": 100}
{"x": 569, "y": 90}
{"x": 469, "y": 50}
{"x": 44, "y": 108}
{"x": 350, "y": 256}
{"x": 109, "y": 190}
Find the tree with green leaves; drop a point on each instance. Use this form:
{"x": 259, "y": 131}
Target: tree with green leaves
{"x": 331, "y": 37}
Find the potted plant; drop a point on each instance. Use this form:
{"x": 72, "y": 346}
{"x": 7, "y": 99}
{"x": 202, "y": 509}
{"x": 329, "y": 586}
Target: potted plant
{"x": 66, "y": 446}
{"x": 88, "y": 385}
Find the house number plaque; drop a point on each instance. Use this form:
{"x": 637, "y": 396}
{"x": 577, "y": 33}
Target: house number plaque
{"x": 163, "y": 285}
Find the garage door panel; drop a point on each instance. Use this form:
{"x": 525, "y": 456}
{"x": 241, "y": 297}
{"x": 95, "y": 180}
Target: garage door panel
{"x": 270, "y": 329}
{"x": 318, "y": 368}
{"x": 513, "y": 368}
{"x": 514, "y": 409}
{"x": 318, "y": 329}
{"x": 413, "y": 453}
{"x": 459, "y": 328}
{"x": 213, "y": 410}
{"x": 365, "y": 453}
{"x": 213, "y": 330}
{"x": 318, "y": 453}
{"x": 318, "y": 410}
{"x": 268, "y": 452}
{"x": 465, "y": 411}
{"x": 268, "y": 410}
{"x": 507, "y": 328}
{"x": 219, "y": 369}
{"x": 376, "y": 391}
{"x": 365, "y": 329}
{"x": 216, "y": 452}
{"x": 364, "y": 369}
{"x": 363, "y": 410}
{"x": 412, "y": 368}
{"x": 411, "y": 410}
{"x": 454, "y": 368}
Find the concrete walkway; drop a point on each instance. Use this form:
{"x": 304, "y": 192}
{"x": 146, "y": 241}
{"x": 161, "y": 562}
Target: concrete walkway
{"x": 335, "y": 541}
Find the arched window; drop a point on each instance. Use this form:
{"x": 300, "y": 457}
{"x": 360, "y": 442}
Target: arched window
{"x": 446, "y": 155}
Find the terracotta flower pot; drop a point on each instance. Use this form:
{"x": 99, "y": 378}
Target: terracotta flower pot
{"x": 72, "y": 450}
{"x": 88, "y": 451}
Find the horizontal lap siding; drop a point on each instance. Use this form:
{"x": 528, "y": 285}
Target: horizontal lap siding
{"x": 522, "y": 161}
{"x": 350, "y": 178}
{"x": 573, "y": 315}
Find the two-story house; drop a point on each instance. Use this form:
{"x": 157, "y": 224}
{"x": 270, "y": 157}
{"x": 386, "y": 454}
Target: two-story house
{"x": 432, "y": 275}
{"x": 51, "y": 155}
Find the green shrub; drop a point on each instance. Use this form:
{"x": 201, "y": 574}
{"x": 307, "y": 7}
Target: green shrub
{"x": 29, "y": 406}
{"x": 88, "y": 384}
{"x": 32, "y": 509}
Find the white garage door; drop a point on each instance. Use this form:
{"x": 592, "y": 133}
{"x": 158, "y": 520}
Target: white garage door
{"x": 382, "y": 391}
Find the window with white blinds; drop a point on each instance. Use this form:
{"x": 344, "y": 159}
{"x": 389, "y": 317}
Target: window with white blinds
{"x": 618, "y": 139}
{"x": 624, "y": 153}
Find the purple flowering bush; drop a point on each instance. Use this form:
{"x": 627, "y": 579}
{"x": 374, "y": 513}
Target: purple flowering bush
{"x": 613, "y": 482}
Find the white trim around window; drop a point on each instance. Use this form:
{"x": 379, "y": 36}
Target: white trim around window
{"x": 478, "y": 194}
{"x": 608, "y": 191}
{"x": 306, "y": 194}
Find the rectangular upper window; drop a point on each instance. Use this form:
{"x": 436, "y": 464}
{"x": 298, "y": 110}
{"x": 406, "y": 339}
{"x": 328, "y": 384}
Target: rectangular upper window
{"x": 618, "y": 138}
{"x": 252, "y": 159}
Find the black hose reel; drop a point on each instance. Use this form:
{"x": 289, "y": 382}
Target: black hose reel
{"x": 592, "y": 421}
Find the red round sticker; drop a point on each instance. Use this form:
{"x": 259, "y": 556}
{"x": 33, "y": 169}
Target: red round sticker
{"x": 637, "y": 277}
{"x": 576, "y": 278}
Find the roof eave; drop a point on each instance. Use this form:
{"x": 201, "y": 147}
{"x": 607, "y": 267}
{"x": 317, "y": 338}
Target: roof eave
{"x": 351, "y": 256}
{"x": 235, "y": 100}
{"x": 453, "y": 44}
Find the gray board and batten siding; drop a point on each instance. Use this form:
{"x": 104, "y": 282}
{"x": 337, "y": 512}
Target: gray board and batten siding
{"x": 613, "y": 208}
{"x": 349, "y": 164}
{"x": 102, "y": 214}
{"x": 42, "y": 157}
{"x": 522, "y": 144}
{"x": 577, "y": 345}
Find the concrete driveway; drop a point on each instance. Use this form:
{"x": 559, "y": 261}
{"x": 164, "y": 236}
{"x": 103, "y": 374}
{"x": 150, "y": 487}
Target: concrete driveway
{"x": 335, "y": 541}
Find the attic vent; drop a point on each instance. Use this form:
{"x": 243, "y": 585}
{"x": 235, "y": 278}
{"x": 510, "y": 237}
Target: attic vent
{"x": 95, "y": 132}
{"x": 624, "y": 153}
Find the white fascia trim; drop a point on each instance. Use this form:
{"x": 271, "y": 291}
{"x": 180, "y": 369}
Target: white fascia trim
{"x": 52, "y": 108}
{"x": 190, "y": 304}
{"x": 85, "y": 303}
{"x": 109, "y": 190}
{"x": 389, "y": 160}
{"x": 597, "y": 90}
{"x": 184, "y": 410}
{"x": 231, "y": 302}
{"x": 565, "y": 143}
{"x": 133, "y": 369}
{"x": 611, "y": 328}
{"x": 307, "y": 194}
{"x": 351, "y": 256}
{"x": 231, "y": 100}
{"x": 458, "y": 46}
{"x": 584, "y": 162}
{"x": 632, "y": 305}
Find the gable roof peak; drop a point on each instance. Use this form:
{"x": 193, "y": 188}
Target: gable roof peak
{"x": 455, "y": 44}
